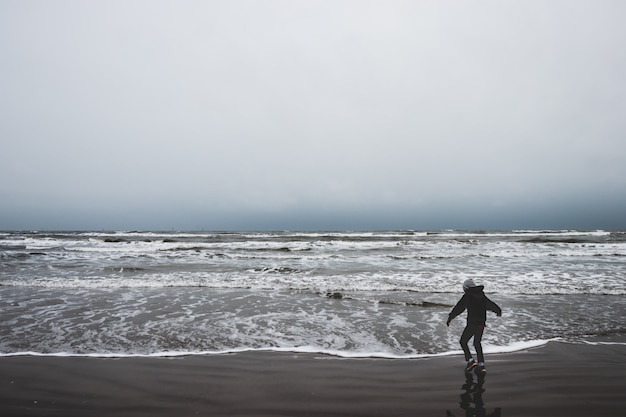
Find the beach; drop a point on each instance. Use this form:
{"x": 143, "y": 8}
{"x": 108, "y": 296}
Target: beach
{"x": 558, "y": 379}
{"x": 309, "y": 324}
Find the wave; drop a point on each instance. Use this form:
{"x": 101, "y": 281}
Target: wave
{"x": 489, "y": 349}
{"x": 427, "y": 246}
{"x": 509, "y": 262}
{"x": 155, "y": 235}
{"x": 282, "y": 279}
{"x": 550, "y": 239}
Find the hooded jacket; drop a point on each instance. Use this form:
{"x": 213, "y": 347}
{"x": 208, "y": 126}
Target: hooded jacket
{"x": 477, "y": 304}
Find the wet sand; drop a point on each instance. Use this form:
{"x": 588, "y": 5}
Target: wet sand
{"x": 559, "y": 379}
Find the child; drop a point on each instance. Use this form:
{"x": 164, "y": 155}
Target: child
{"x": 477, "y": 304}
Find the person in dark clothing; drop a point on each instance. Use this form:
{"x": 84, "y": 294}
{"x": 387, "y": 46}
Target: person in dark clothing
{"x": 476, "y": 303}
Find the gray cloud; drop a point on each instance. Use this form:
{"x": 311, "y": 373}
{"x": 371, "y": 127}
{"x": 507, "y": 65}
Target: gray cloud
{"x": 282, "y": 114}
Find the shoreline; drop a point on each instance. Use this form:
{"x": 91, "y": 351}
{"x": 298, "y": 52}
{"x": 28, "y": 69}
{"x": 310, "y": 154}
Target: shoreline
{"x": 557, "y": 379}
{"x": 489, "y": 350}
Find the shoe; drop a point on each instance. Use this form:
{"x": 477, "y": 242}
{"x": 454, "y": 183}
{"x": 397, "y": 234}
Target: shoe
{"x": 481, "y": 370}
{"x": 470, "y": 365}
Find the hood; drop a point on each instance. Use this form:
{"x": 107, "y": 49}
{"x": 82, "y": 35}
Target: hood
{"x": 477, "y": 290}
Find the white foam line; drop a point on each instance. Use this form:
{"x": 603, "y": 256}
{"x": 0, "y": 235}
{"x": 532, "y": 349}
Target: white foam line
{"x": 517, "y": 346}
{"x": 514, "y": 347}
{"x": 604, "y": 343}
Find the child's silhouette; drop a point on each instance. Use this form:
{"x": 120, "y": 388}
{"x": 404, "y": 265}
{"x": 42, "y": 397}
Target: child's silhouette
{"x": 477, "y": 304}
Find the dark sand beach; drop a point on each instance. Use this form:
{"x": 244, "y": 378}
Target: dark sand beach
{"x": 558, "y": 379}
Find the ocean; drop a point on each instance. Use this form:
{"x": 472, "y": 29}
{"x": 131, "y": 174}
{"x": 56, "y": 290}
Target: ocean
{"x": 348, "y": 294}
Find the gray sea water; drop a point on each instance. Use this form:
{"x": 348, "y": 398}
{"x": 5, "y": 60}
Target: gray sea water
{"x": 377, "y": 294}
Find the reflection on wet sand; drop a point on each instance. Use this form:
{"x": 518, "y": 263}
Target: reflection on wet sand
{"x": 472, "y": 402}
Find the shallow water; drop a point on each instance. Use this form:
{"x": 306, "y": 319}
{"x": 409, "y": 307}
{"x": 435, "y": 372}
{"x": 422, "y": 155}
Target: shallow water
{"x": 381, "y": 294}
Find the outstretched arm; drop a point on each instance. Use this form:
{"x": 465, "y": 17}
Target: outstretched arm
{"x": 458, "y": 309}
{"x": 491, "y": 306}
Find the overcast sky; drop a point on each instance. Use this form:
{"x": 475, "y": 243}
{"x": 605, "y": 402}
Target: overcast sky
{"x": 335, "y": 114}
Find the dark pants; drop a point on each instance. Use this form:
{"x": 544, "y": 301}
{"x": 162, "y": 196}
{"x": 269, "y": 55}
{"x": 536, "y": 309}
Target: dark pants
{"x": 476, "y": 331}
